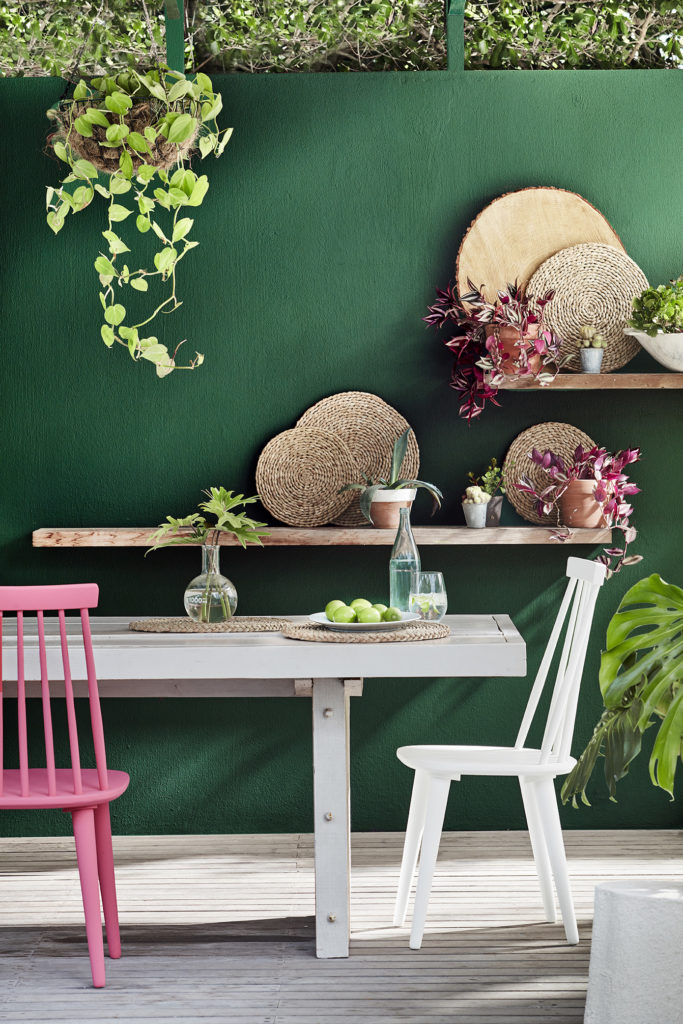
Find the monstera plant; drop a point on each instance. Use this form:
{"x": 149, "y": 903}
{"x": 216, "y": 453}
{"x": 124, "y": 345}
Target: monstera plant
{"x": 641, "y": 680}
{"x": 130, "y": 138}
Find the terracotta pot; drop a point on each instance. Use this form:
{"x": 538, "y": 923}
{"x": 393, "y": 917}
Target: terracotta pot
{"x": 511, "y": 340}
{"x": 493, "y": 510}
{"x": 578, "y": 507}
{"x": 385, "y": 508}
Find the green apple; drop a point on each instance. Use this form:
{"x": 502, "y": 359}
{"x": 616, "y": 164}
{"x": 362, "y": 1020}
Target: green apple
{"x": 392, "y": 615}
{"x": 359, "y": 603}
{"x": 368, "y": 615}
{"x": 381, "y": 608}
{"x": 331, "y": 607}
{"x": 344, "y": 614}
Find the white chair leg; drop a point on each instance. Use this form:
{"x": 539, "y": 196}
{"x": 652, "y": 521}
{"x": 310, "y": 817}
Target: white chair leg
{"x": 411, "y": 846}
{"x": 437, "y": 798}
{"x": 540, "y": 850}
{"x": 552, "y": 830}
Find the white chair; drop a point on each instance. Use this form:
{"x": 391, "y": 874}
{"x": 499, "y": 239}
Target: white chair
{"x": 437, "y": 766}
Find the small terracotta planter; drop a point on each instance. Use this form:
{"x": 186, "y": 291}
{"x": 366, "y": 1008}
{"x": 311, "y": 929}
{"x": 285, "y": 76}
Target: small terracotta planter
{"x": 385, "y": 508}
{"x": 578, "y": 507}
{"x": 511, "y": 341}
{"x": 493, "y": 510}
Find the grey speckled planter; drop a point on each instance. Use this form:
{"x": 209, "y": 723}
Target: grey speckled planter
{"x": 475, "y": 515}
{"x": 591, "y": 359}
{"x": 493, "y": 510}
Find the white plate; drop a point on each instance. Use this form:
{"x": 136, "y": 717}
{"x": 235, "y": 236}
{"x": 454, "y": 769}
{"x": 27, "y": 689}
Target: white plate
{"x": 362, "y": 627}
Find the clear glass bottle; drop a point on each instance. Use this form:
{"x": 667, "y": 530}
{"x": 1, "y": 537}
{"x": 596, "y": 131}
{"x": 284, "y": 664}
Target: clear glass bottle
{"x": 210, "y": 597}
{"x": 404, "y": 563}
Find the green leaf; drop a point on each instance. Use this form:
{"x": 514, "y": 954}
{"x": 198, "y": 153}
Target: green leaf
{"x": 227, "y": 134}
{"x": 59, "y": 150}
{"x": 55, "y": 221}
{"x": 145, "y": 204}
{"x": 103, "y": 266}
{"x": 115, "y": 314}
{"x": 207, "y": 144}
{"x": 158, "y": 232}
{"x": 165, "y": 259}
{"x": 162, "y": 198}
{"x": 154, "y": 88}
{"x": 150, "y": 133}
{"x": 116, "y": 133}
{"x": 108, "y": 336}
{"x": 211, "y": 109}
{"x": 180, "y": 89}
{"x": 117, "y": 212}
{"x": 118, "y": 102}
{"x": 83, "y": 127}
{"x": 204, "y": 82}
{"x": 103, "y": 191}
{"x": 398, "y": 455}
{"x": 145, "y": 172}
{"x": 143, "y": 224}
{"x": 118, "y": 185}
{"x": 199, "y": 191}
{"x": 81, "y": 91}
{"x": 139, "y": 284}
{"x": 181, "y": 129}
{"x": 155, "y": 353}
{"x": 138, "y": 142}
{"x": 181, "y": 228}
{"x": 96, "y": 116}
{"x": 116, "y": 244}
{"x": 85, "y": 169}
{"x": 126, "y": 164}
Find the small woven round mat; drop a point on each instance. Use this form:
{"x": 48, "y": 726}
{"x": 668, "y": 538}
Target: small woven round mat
{"x": 368, "y": 426}
{"x": 411, "y": 631}
{"x": 561, "y": 438}
{"x": 594, "y": 285}
{"x": 299, "y": 474}
{"x": 238, "y": 624}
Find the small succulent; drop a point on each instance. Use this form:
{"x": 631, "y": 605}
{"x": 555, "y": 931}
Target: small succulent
{"x": 475, "y": 495}
{"x": 590, "y": 337}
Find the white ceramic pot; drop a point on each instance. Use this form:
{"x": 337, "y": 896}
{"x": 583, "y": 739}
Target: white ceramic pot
{"x": 591, "y": 359}
{"x": 385, "y": 507}
{"x": 475, "y": 514}
{"x": 667, "y": 349}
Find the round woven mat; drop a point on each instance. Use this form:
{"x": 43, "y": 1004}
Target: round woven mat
{"x": 299, "y": 474}
{"x": 239, "y": 624}
{"x": 561, "y": 438}
{"x": 411, "y": 631}
{"x": 594, "y": 285}
{"x": 369, "y": 426}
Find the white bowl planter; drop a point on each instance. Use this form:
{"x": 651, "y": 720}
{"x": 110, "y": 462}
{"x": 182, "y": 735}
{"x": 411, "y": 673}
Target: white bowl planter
{"x": 667, "y": 349}
{"x": 386, "y": 505}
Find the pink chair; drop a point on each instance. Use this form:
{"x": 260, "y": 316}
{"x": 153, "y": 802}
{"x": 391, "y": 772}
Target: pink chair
{"x": 85, "y": 792}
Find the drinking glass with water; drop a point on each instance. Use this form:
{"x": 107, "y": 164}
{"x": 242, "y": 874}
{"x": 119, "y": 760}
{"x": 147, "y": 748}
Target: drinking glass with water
{"x": 428, "y": 595}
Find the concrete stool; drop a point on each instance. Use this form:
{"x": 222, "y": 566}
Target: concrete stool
{"x": 635, "y": 972}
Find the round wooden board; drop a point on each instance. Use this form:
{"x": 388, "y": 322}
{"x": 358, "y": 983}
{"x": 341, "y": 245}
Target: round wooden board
{"x": 517, "y": 232}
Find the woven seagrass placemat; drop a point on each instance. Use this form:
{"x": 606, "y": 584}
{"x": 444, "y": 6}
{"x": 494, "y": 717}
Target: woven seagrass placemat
{"x": 594, "y": 286}
{"x": 410, "y": 632}
{"x": 368, "y": 426}
{"x": 238, "y": 624}
{"x": 299, "y": 475}
{"x": 561, "y": 438}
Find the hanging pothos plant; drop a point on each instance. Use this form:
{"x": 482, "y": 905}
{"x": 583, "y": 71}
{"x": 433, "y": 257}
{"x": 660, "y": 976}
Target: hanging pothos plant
{"x": 126, "y": 137}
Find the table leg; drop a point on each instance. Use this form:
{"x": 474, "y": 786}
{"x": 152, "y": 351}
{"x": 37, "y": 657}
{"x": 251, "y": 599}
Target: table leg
{"x": 331, "y": 809}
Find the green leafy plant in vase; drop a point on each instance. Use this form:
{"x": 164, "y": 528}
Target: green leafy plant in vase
{"x": 381, "y": 500}
{"x": 657, "y": 323}
{"x": 211, "y": 597}
{"x": 130, "y": 138}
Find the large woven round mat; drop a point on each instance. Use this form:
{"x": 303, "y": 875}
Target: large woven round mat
{"x": 562, "y": 439}
{"x": 238, "y": 624}
{"x": 369, "y": 426}
{"x": 594, "y": 285}
{"x": 299, "y": 474}
{"x": 410, "y": 632}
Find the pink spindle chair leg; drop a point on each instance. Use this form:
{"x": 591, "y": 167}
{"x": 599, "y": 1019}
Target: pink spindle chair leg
{"x": 105, "y": 869}
{"x": 86, "y": 853}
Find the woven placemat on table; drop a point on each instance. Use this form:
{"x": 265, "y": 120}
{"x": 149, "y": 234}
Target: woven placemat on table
{"x": 594, "y": 285}
{"x": 411, "y": 631}
{"x": 299, "y": 475}
{"x": 561, "y": 438}
{"x": 238, "y": 624}
{"x": 369, "y": 426}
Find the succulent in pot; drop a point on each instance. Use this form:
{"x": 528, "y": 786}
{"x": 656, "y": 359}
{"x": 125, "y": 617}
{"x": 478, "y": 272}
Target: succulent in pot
{"x": 590, "y": 490}
{"x": 592, "y": 346}
{"x": 494, "y": 340}
{"x": 475, "y": 503}
{"x": 130, "y": 138}
{"x": 657, "y": 323}
{"x": 381, "y": 500}
{"x": 492, "y": 481}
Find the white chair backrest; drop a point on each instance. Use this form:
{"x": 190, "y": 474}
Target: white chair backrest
{"x": 578, "y": 605}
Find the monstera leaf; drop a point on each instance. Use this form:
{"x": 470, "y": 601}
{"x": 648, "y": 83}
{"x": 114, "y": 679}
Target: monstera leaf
{"x": 641, "y": 680}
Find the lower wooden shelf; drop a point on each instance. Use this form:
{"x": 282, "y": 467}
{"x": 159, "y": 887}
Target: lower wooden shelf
{"x": 324, "y": 536}
{"x": 599, "y": 382}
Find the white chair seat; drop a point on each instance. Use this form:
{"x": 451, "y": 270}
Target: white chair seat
{"x": 451, "y": 762}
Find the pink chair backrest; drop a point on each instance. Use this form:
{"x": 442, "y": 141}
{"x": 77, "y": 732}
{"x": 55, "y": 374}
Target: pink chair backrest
{"x": 70, "y": 597}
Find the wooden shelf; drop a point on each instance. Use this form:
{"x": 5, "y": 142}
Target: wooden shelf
{"x": 600, "y": 382}
{"x": 323, "y": 536}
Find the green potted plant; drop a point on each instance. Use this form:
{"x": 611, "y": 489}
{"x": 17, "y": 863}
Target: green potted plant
{"x": 211, "y": 597}
{"x": 641, "y": 682}
{"x": 492, "y": 482}
{"x": 381, "y": 500}
{"x": 130, "y": 138}
{"x": 657, "y": 323}
{"x": 592, "y": 346}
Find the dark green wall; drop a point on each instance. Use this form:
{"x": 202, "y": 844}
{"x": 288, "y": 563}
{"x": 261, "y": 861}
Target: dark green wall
{"x": 337, "y": 208}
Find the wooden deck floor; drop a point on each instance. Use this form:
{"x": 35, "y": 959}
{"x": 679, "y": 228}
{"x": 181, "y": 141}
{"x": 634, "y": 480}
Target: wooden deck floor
{"x": 219, "y": 928}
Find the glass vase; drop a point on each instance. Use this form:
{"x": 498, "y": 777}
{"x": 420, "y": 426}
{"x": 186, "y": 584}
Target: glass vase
{"x": 210, "y": 597}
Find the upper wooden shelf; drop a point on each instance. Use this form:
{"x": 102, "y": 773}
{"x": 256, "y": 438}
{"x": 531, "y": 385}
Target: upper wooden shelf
{"x": 323, "y": 536}
{"x": 599, "y": 382}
